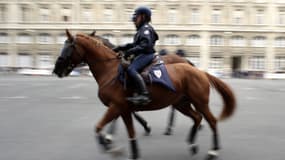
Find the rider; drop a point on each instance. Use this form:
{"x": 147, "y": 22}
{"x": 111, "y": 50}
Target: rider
{"x": 143, "y": 50}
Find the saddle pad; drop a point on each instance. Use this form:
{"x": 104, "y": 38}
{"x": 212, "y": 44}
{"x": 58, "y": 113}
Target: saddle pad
{"x": 155, "y": 73}
{"x": 158, "y": 74}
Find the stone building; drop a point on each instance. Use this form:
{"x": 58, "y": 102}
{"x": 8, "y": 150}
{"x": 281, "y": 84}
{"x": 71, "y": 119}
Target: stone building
{"x": 218, "y": 35}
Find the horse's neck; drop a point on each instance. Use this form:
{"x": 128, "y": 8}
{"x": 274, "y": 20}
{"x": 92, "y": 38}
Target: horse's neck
{"x": 102, "y": 64}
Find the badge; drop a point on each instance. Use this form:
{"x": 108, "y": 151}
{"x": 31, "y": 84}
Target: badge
{"x": 146, "y": 32}
{"x": 157, "y": 73}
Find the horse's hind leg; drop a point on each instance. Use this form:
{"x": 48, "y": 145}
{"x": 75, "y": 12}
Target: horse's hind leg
{"x": 187, "y": 110}
{"x": 213, "y": 125}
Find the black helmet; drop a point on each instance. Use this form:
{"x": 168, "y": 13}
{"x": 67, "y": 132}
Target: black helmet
{"x": 180, "y": 53}
{"x": 142, "y": 10}
{"x": 163, "y": 52}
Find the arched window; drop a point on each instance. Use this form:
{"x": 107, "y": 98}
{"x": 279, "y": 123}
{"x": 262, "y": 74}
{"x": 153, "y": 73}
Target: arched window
{"x": 238, "y": 41}
{"x": 172, "y": 39}
{"x": 24, "y": 38}
{"x": 61, "y": 38}
{"x": 193, "y": 40}
{"x": 258, "y": 41}
{"x": 4, "y": 38}
{"x": 44, "y": 38}
{"x": 280, "y": 42}
{"x": 216, "y": 40}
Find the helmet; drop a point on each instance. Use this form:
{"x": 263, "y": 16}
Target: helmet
{"x": 142, "y": 10}
{"x": 180, "y": 53}
{"x": 163, "y": 52}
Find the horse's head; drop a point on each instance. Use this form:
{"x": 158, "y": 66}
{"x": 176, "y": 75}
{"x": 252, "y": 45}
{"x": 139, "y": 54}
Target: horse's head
{"x": 69, "y": 58}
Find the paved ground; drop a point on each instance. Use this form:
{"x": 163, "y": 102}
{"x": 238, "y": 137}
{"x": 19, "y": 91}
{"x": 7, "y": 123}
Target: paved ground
{"x": 48, "y": 118}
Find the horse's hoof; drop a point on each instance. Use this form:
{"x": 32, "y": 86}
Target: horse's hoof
{"x": 147, "y": 131}
{"x": 168, "y": 132}
{"x": 201, "y": 126}
{"x": 194, "y": 148}
{"x": 116, "y": 151}
{"x": 109, "y": 139}
{"x": 212, "y": 155}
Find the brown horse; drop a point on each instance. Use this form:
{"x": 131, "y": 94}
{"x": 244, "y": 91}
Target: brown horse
{"x": 190, "y": 83}
{"x": 168, "y": 59}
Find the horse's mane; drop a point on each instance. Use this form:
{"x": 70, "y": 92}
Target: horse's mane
{"x": 95, "y": 42}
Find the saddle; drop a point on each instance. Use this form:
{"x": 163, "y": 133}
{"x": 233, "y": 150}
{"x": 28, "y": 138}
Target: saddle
{"x": 154, "y": 73}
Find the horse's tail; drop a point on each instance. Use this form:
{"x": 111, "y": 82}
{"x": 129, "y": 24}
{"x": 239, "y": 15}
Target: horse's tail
{"x": 227, "y": 95}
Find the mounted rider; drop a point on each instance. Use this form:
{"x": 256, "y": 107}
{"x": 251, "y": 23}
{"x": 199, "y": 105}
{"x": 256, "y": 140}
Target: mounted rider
{"x": 143, "y": 51}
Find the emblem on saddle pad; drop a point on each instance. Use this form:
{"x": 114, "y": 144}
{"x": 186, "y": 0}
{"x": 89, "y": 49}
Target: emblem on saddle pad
{"x": 157, "y": 73}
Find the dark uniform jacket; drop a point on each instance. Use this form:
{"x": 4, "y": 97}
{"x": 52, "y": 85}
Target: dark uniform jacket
{"x": 143, "y": 43}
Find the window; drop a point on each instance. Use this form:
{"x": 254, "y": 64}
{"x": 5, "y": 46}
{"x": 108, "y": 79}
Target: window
{"x": 61, "y": 38}
{"x": 281, "y": 17}
{"x": 280, "y": 42}
{"x": 172, "y": 40}
{"x": 216, "y": 63}
{"x": 238, "y": 41}
{"x": 4, "y": 60}
{"x": 44, "y": 61}
{"x": 256, "y": 62}
{"x": 3, "y": 13}
{"x": 260, "y": 16}
{"x": 127, "y": 38}
{"x": 129, "y": 12}
{"x": 44, "y": 38}
{"x": 24, "y": 13}
{"x": 216, "y": 16}
{"x": 44, "y": 14}
{"x": 108, "y": 15}
{"x": 258, "y": 41}
{"x": 24, "y": 38}
{"x": 279, "y": 63}
{"x": 86, "y": 14}
{"x": 24, "y": 60}
{"x": 216, "y": 40}
{"x": 4, "y": 38}
{"x": 172, "y": 16}
{"x": 238, "y": 16}
{"x": 66, "y": 14}
{"x": 195, "y": 16}
{"x": 193, "y": 40}
{"x": 111, "y": 38}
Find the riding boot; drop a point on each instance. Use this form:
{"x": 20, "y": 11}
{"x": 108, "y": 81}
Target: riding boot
{"x": 143, "y": 96}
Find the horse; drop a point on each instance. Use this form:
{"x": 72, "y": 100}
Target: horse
{"x": 190, "y": 84}
{"x": 168, "y": 59}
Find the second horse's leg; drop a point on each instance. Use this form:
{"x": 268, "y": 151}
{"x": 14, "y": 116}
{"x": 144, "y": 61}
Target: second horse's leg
{"x": 187, "y": 110}
{"x": 143, "y": 122}
{"x": 170, "y": 123}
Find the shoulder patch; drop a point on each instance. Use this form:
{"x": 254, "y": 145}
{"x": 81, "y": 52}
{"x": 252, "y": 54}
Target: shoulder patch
{"x": 146, "y": 26}
{"x": 146, "y": 32}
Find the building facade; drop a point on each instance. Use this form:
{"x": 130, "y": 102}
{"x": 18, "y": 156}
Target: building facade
{"x": 219, "y": 35}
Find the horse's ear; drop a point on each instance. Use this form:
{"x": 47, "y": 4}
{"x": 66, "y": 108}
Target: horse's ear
{"x": 93, "y": 33}
{"x": 68, "y": 34}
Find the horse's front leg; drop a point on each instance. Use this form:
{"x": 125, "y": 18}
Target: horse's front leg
{"x": 111, "y": 114}
{"x": 127, "y": 118}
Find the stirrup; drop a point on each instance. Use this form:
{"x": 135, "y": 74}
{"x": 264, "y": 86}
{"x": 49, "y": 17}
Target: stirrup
{"x": 139, "y": 100}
